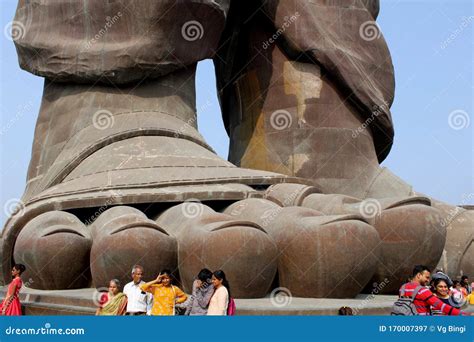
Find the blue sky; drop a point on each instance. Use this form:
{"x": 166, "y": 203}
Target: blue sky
{"x": 431, "y": 43}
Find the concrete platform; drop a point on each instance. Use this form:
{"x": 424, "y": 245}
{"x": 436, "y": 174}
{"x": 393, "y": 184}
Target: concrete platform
{"x": 81, "y": 302}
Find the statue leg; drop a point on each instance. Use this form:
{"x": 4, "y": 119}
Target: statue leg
{"x": 120, "y": 175}
{"x": 121, "y": 162}
{"x": 288, "y": 112}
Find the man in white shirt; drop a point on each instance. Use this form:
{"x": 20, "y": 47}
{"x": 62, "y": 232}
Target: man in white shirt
{"x": 139, "y": 301}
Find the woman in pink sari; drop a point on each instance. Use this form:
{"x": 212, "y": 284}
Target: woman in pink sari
{"x": 11, "y": 304}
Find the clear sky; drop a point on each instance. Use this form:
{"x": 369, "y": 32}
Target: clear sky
{"x": 431, "y": 43}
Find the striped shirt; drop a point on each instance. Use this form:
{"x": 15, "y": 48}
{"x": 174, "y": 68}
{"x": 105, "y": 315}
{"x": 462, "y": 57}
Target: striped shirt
{"x": 425, "y": 299}
{"x": 450, "y": 301}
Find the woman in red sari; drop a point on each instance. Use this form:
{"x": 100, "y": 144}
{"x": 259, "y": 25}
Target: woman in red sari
{"x": 11, "y": 304}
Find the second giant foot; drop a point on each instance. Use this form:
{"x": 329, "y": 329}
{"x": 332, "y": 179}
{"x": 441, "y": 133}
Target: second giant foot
{"x": 411, "y": 230}
{"x": 318, "y": 255}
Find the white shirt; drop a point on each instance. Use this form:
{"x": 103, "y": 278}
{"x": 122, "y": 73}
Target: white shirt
{"x": 137, "y": 300}
{"x": 219, "y": 302}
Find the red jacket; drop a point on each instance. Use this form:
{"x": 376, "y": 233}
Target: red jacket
{"x": 425, "y": 299}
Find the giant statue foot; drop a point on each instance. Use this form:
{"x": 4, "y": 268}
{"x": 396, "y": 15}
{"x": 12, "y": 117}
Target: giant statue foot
{"x": 118, "y": 176}
{"x": 316, "y": 105}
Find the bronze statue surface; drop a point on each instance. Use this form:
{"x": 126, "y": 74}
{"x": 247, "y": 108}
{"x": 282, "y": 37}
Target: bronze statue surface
{"x": 119, "y": 174}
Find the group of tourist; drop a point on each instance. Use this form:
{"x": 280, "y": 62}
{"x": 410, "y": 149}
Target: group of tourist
{"x": 438, "y": 295}
{"x": 423, "y": 294}
{"x": 159, "y": 297}
{"x": 455, "y": 293}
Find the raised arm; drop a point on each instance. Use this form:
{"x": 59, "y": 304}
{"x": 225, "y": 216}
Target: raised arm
{"x": 204, "y": 300}
{"x": 148, "y": 287}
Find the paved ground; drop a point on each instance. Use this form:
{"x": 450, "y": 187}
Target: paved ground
{"x": 82, "y": 302}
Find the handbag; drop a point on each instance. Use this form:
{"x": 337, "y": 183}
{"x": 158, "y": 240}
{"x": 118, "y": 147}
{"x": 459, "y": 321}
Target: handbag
{"x": 231, "y": 307}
